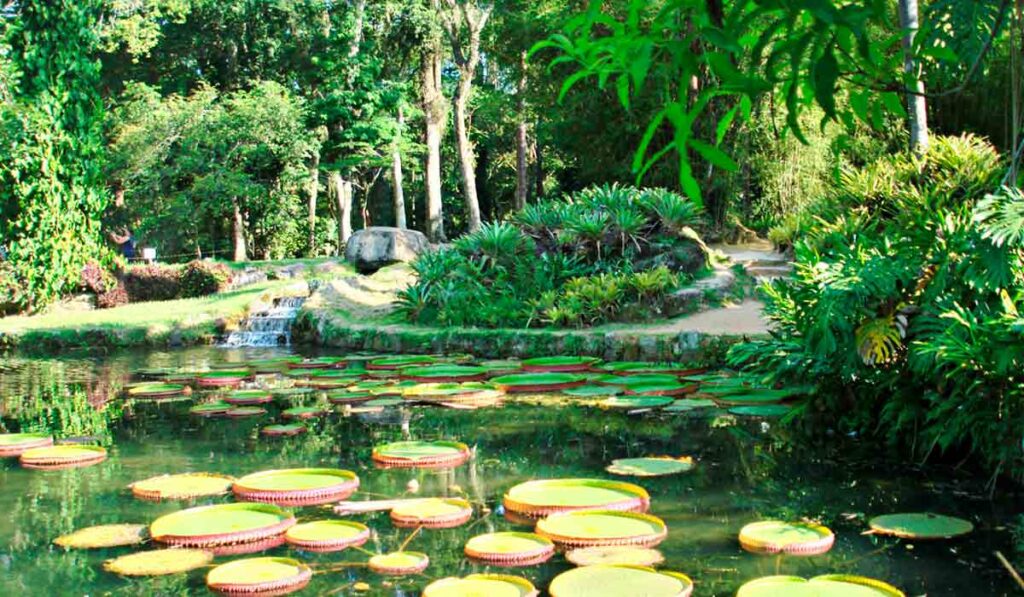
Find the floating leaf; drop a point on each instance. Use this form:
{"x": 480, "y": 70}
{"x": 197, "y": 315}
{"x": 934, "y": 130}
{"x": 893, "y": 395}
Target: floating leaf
{"x": 102, "y": 536}
{"x": 432, "y": 513}
{"x": 591, "y": 391}
{"x": 158, "y": 562}
{"x": 602, "y": 527}
{"x": 248, "y": 397}
{"x": 182, "y": 486}
{"x": 829, "y": 585}
{"x": 560, "y": 364}
{"x": 156, "y": 390}
{"x": 400, "y": 361}
{"x": 548, "y": 496}
{"x": 761, "y": 410}
{"x": 327, "y": 535}
{"x": 421, "y": 454}
{"x": 221, "y": 524}
{"x": 211, "y": 409}
{"x": 615, "y": 554}
{"x": 651, "y": 466}
{"x": 610, "y": 579}
{"x": 442, "y": 373}
{"x": 268, "y": 575}
{"x": 399, "y": 563}
{"x": 792, "y": 538}
{"x": 920, "y": 525}
{"x": 65, "y": 456}
{"x": 283, "y": 430}
{"x": 13, "y": 444}
{"x": 510, "y": 548}
{"x": 491, "y": 585}
{"x": 538, "y": 382}
{"x": 297, "y": 486}
{"x": 636, "y": 402}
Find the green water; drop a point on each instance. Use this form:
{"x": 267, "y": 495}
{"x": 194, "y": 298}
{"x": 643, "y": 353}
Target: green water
{"x": 745, "y": 473}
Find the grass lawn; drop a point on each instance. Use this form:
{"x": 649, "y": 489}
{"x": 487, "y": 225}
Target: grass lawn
{"x": 277, "y": 263}
{"x": 193, "y": 320}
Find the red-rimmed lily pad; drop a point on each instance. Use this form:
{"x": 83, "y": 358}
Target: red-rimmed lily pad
{"x": 482, "y": 585}
{"x": 651, "y": 466}
{"x": 628, "y": 555}
{"x": 432, "y": 513}
{"x": 593, "y": 391}
{"x": 636, "y": 380}
{"x": 291, "y": 393}
{"x": 222, "y": 379}
{"x": 538, "y": 382}
{"x": 550, "y": 496}
{"x": 248, "y": 547}
{"x": 248, "y": 397}
{"x": 297, "y": 486}
{"x": 790, "y": 538}
{"x": 259, "y": 576}
{"x": 183, "y": 486}
{"x": 443, "y": 373}
{"x": 561, "y": 364}
{"x": 211, "y": 409}
{"x": 510, "y": 549}
{"x": 319, "y": 363}
{"x": 64, "y": 456}
{"x": 13, "y": 444}
{"x": 303, "y": 412}
{"x": 283, "y": 430}
{"x": 602, "y": 527}
{"x": 686, "y": 404}
{"x": 348, "y": 397}
{"x": 630, "y": 402}
{"x": 443, "y": 392}
{"x": 643, "y": 367}
{"x": 399, "y": 563}
{"x": 391, "y": 363}
{"x": 829, "y": 585}
{"x": 104, "y": 536}
{"x": 242, "y": 412}
{"x": 501, "y": 367}
{"x": 920, "y": 525}
{"x": 221, "y": 524}
{"x": 611, "y": 580}
{"x": 661, "y": 389}
{"x": 761, "y": 410}
{"x": 159, "y": 562}
{"x": 158, "y": 390}
{"x": 327, "y": 535}
{"x": 421, "y": 454}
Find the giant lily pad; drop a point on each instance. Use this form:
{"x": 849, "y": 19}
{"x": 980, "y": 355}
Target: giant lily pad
{"x": 643, "y": 367}
{"x": 501, "y": 367}
{"x": 156, "y": 390}
{"x": 687, "y": 404}
{"x": 563, "y": 364}
{"x": 651, "y": 466}
{"x": 538, "y": 382}
{"x": 637, "y": 380}
{"x": 211, "y": 409}
{"x": 13, "y": 444}
{"x": 549, "y": 496}
{"x": 327, "y": 535}
{"x": 602, "y": 527}
{"x": 242, "y": 412}
{"x": 609, "y": 580}
{"x": 433, "y": 392}
{"x": 259, "y": 576}
{"x": 303, "y": 412}
{"x": 248, "y": 397}
{"x": 104, "y": 536}
{"x": 283, "y": 430}
{"x": 318, "y": 363}
{"x": 221, "y": 524}
{"x": 791, "y": 538}
{"x": 159, "y": 562}
{"x": 752, "y": 397}
{"x": 297, "y": 486}
{"x": 920, "y": 525}
{"x": 443, "y": 373}
{"x": 673, "y": 388}
{"x": 390, "y": 363}
{"x": 217, "y": 379}
{"x": 761, "y": 410}
{"x": 615, "y": 554}
{"x": 489, "y": 585}
{"x": 349, "y": 397}
{"x": 510, "y": 549}
{"x": 630, "y": 402}
{"x": 182, "y": 486}
{"x": 593, "y": 390}
{"x": 65, "y": 456}
{"x": 421, "y": 454}
{"x": 829, "y": 585}
{"x": 399, "y": 563}
{"x": 432, "y": 513}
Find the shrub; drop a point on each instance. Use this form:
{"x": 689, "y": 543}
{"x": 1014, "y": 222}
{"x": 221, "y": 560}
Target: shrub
{"x": 115, "y": 297}
{"x": 10, "y": 289}
{"x": 97, "y": 279}
{"x": 152, "y": 282}
{"x": 201, "y": 278}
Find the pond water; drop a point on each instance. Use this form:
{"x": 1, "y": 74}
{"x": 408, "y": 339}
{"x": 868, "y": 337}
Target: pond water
{"x": 745, "y": 472}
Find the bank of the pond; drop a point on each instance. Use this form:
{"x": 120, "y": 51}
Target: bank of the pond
{"x": 166, "y": 323}
{"x": 701, "y": 338}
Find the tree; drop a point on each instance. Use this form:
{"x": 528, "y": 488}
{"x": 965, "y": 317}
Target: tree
{"x": 435, "y": 110}
{"x": 917, "y": 106}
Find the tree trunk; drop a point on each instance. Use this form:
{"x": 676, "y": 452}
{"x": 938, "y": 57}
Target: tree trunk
{"x": 539, "y": 181}
{"x": 397, "y": 192}
{"x": 313, "y": 193}
{"x": 238, "y": 232}
{"x": 917, "y": 105}
{"x": 357, "y": 28}
{"x": 434, "y": 116}
{"x": 467, "y": 161}
{"x": 522, "y": 173}
{"x": 340, "y": 190}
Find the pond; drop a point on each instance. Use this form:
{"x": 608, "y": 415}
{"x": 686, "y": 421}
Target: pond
{"x": 746, "y": 470}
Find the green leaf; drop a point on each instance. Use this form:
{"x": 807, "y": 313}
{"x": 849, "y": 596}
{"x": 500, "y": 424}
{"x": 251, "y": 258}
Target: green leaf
{"x": 826, "y": 73}
{"x": 622, "y": 88}
{"x": 894, "y": 103}
{"x": 714, "y": 155}
{"x": 724, "y": 123}
{"x": 570, "y": 81}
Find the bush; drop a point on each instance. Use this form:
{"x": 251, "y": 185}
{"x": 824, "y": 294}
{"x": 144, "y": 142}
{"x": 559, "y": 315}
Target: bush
{"x": 10, "y": 289}
{"x": 152, "y": 282}
{"x": 115, "y": 297}
{"x": 97, "y": 279}
{"x": 903, "y": 308}
{"x": 202, "y": 278}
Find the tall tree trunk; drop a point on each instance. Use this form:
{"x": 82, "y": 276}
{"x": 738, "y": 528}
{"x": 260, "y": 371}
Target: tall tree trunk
{"x": 357, "y": 28}
{"x": 539, "y": 166}
{"x": 238, "y": 232}
{"x": 917, "y": 105}
{"x": 397, "y": 192}
{"x": 522, "y": 167}
{"x": 467, "y": 159}
{"x": 340, "y": 191}
{"x": 434, "y": 116}
{"x": 312, "y": 194}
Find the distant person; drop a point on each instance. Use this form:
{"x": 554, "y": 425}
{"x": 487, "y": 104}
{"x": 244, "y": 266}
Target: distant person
{"x": 125, "y": 239}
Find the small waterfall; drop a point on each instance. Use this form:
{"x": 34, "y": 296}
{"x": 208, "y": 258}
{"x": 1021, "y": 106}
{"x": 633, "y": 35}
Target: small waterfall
{"x": 271, "y": 327}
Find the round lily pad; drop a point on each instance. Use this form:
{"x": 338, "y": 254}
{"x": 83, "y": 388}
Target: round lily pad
{"x": 103, "y": 536}
{"x": 602, "y": 527}
{"x": 615, "y": 554}
{"x": 593, "y": 390}
{"x": 340, "y": 383}
{"x": 318, "y": 363}
{"x": 13, "y": 444}
{"x": 630, "y": 402}
{"x": 221, "y": 524}
{"x": 64, "y": 456}
{"x": 673, "y": 388}
{"x": 157, "y": 390}
{"x": 248, "y": 397}
{"x": 248, "y": 547}
{"x": 607, "y": 580}
{"x": 344, "y": 374}
{"x": 643, "y": 367}
{"x": 348, "y": 397}
{"x": 421, "y": 454}
{"x": 688, "y": 404}
{"x": 638, "y": 380}
{"x": 538, "y": 382}
{"x": 241, "y": 412}
{"x": 432, "y": 513}
{"x": 920, "y": 525}
{"x": 561, "y": 364}
{"x": 399, "y": 563}
{"x": 283, "y": 430}
{"x": 381, "y": 403}
{"x": 211, "y": 409}
{"x": 760, "y": 410}
{"x": 443, "y": 373}
{"x": 291, "y": 392}
{"x": 297, "y": 486}
{"x": 501, "y": 367}
{"x": 447, "y": 391}
{"x": 829, "y": 585}
{"x": 259, "y": 576}
{"x": 183, "y": 486}
{"x": 390, "y": 363}
{"x": 303, "y": 412}
{"x": 791, "y": 538}
{"x": 489, "y": 585}
{"x": 159, "y": 562}
{"x": 327, "y": 535}
{"x": 549, "y": 496}
{"x": 651, "y": 466}
{"x": 221, "y": 379}
{"x": 510, "y": 549}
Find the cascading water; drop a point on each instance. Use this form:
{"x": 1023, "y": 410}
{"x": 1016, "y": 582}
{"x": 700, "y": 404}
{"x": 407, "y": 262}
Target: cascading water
{"x": 271, "y": 327}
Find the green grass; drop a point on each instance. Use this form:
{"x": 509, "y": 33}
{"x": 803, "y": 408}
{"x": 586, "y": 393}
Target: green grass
{"x": 276, "y": 263}
{"x": 193, "y": 320}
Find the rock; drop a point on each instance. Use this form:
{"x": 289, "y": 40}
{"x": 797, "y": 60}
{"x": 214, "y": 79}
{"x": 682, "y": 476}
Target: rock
{"x": 372, "y": 248}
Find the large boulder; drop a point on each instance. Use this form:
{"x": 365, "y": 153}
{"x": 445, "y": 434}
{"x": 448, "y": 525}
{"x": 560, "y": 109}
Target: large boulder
{"x": 372, "y": 248}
